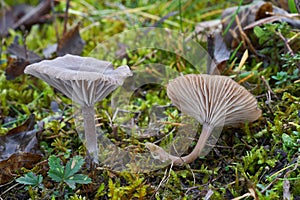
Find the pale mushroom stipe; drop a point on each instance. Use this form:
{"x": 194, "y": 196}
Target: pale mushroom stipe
{"x": 86, "y": 81}
{"x": 212, "y": 100}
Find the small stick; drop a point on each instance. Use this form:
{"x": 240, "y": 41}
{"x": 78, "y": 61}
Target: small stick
{"x": 24, "y": 44}
{"x": 246, "y": 78}
{"x": 268, "y": 95}
{"x": 268, "y": 86}
{"x": 164, "y": 180}
{"x": 245, "y": 38}
{"x": 66, "y": 16}
{"x": 286, "y": 43}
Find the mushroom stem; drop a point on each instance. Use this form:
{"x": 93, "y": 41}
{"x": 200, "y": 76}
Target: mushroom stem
{"x": 88, "y": 113}
{"x": 162, "y": 155}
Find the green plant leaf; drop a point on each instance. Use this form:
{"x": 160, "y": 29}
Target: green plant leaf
{"x": 288, "y": 140}
{"x": 73, "y": 166}
{"x": 295, "y": 74}
{"x": 101, "y": 190}
{"x": 77, "y": 178}
{"x": 258, "y": 31}
{"x": 59, "y": 173}
{"x": 56, "y": 171}
{"x": 292, "y": 6}
{"x": 31, "y": 179}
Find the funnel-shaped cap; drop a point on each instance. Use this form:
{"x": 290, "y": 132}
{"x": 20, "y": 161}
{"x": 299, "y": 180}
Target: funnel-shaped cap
{"x": 85, "y": 80}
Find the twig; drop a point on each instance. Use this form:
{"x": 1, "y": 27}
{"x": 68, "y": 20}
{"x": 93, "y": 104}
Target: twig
{"x": 157, "y": 23}
{"x": 24, "y": 44}
{"x": 286, "y": 43}
{"x": 189, "y": 189}
{"x": 194, "y": 177}
{"x": 244, "y": 37}
{"x": 170, "y": 132}
{"x": 246, "y": 78}
{"x": 268, "y": 94}
{"x": 164, "y": 180}
{"x": 66, "y": 16}
{"x": 279, "y": 173}
{"x": 10, "y": 188}
{"x": 210, "y": 50}
{"x": 267, "y": 85}
{"x": 6, "y": 184}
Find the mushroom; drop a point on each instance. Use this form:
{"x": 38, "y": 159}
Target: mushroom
{"x": 212, "y": 100}
{"x": 86, "y": 81}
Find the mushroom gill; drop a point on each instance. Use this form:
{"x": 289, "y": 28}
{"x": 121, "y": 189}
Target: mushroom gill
{"x": 212, "y": 100}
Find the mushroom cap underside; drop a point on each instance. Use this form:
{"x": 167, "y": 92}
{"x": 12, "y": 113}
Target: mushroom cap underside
{"x": 212, "y": 99}
{"x": 85, "y": 80}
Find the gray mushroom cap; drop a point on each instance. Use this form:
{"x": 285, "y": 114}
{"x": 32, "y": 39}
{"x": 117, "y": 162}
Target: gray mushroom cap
{"x": 213, "y": 100}
{"x": 85, "y": 80}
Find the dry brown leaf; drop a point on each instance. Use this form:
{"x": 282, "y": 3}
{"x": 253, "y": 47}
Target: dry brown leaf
{"x": 220, "y": 55}
{"x": 35, "y": 15}
{"x": 70, "y": 43}
{"x": 249, "y": 16}
{"x": 18, "y": 148}
{"x": 18, "y": 59}
{"x": 9, "y": 16}
{"x": 203, "y": 29}
{"x": 24, "y": 15}
{"x": 16, "y": 162}
{"x": 246, "y": 15}
{"x": 281, "y": 4}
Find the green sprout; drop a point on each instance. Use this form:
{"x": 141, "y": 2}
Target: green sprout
{"x": 32, "y": 180}
{"x": 67, "y": 175}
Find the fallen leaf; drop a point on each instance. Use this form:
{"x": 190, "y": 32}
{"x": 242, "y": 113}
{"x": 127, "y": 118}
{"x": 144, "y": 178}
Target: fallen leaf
{"x": 24, "y": 15}
{"x": 26, "y": 126}
{"x": 282, "y": 4}
{"x": 18, "y": 59}
{"x": 220, "y": 55}
{"x": 246, "y": 15}
{"x": 297, "y": 2}
{"x": 16, "y": 162}
{"x": 203, "y": 29}
{"x": 9, "y": 16}
{"x": 36, "y": 15}
{"x": 21, "y": 53}
{"x": 50, "y": 50}
{"x": 249, "y": 16}
{"x": 287, "y": 17}
{"x": 18, "y": 148}
{"x": 71, "y": 43}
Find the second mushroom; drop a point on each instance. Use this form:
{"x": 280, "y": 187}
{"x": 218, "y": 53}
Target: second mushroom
{"x": 212, "y": 100}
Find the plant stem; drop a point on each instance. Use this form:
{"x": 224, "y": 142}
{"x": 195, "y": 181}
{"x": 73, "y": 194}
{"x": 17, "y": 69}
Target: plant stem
{"x": 88, "y": 113}
{"x": 161, "y": 154}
